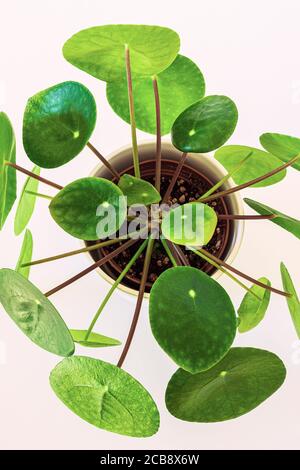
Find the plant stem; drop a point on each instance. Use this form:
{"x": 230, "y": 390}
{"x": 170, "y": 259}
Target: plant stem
{"x": 174, "y": 252}
{"x": 168, "y": 251}
{"x": 45, "y": 196}
{"x": 114, "y": 286}
{"x": 251, "y": 182}
{"x": 139, "y": 302}
{"x": 182, "y": 258}
{"x": 246, "y": 217}
{"x": 104, "y": 161}
{"x": 174, "y": 178}
{"x": 158, "y": 134}
{"x": 91, "y": 268}
{"x": 33, "y": 175}
{"x": 135, "y": 152}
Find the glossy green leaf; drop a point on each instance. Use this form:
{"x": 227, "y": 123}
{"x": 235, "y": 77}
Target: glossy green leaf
{"x": 191, "y": 224}
{"x": 244, "y": 379}
{"x": 100, "y": 50}
{"x": 26, "y": 203}
{"x": 285, "y": 147}
{"x": 8, "y": 179}
{"x": 179, "y": 86}
{"x": 105, "y": 396}
{"x": 192, "y": 318}
{"x": 80, "y": 207}
{"x": 58, "y": 123}
{"x": 259, "y": 163}
{"x": 138, "y": 191}
{"x": 285, "y": 221}
{"x": 205, "y": 125}
{"x": 25, "y": 254}
{"x": 95, "y": 340}
{"x": 34, "y": 314}
{"x": 293, "y": 302}
{"x": 252, "y": 310}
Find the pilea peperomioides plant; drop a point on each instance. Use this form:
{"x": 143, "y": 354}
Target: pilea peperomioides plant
{"x": 153, "y": 88}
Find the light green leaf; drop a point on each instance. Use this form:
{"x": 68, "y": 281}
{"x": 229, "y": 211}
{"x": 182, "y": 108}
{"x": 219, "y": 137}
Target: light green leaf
{"x": 106, "y": 396}
{"x": 179, "y": 86}
{"x": 58, "y": 123}
{"x": 244, "y": 379}
{"x": 285, "y": 147}
{"x": 259, "y": 163}
{"x": 26, "y": 203}
{"x": 95, "y": 340}
{"x": 100, "y": 50}
{"x": 283, "y": 220}
{"x": 34, "y": 314}
{"x": 8, "y": 179}
{"x": 80, "y": 207}
{"x": 293, "y": 302}
{"x": 25, "y": 254}
{"x": 205, "y": 125}
{"x": 191, "y": 224}
{"x": 138, "y": 191}
{"x": 252, "y": 310}
{"x": 192, "y": 318}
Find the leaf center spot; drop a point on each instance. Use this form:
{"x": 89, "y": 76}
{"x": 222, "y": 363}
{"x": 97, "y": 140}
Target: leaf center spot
{"x": 192, "y": 293}
{"x": 105, "y": 204}
{"x": 192, "y": 132}
{"x": 223, "y": 373}
{"x": 76, "y": 134}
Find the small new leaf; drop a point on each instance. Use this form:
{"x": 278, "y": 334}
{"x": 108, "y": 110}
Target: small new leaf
{"x": 293, "y": 301}
{"x": 25, "y": 254}
{"x": 253, "y": 308}
{"x": 94, "y": 340}
{"x": 26, "y": 203}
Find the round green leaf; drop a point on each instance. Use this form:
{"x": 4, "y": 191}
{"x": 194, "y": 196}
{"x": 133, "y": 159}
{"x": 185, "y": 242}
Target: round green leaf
{"x": 285, "y": 147}
{"x": 179, "y": 86}
{"x": 239, "y": 383}
{"x": 34, "y": 314}
{"x": 191, "y": 224}
{"x": 80, "y": 206}
{"x": 8, "y": 179}
{"x": 257, "y": 164}
{"x": 206, "y": 125}
{"x": 105, "y": 396}
{"x": 26, "y": 203}
{"x": 293, "y": 301}
{"x": 25, "y": 254}
{"x": 100, "y": 50}
{"x": 138, "y": 191}
{"x": 94, "y": 340}
{"x": 192, "y": 318}
{"x": 252, "y": 309}
{"x": 58, "y": 123}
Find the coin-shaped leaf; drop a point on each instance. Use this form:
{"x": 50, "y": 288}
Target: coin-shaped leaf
{"x": 285, "y": 221}
{"x": 253, "y": 308}
{"x": 25, "y": 254}
{"x": 293, "y": 302}
{"x": 285, "y": 147}
{"x": 259, "y": 163}
{"x": 94, "y": 340}
{"x": 8, "y": 179}
{"x": 105, "y": 396}
{"x": 26, "y": 202}
{"x": 58, "y": 123}
{"x": 190, "y": 224}
{"x": 34, "y": 314}
{"x": 100, "y": 50}
{"x": 179, "y": 86}
{"x": 239, "y": 383}
{"x": 205, "y": 125}
{"x": 138, "y": 191}
{"x": 89, "y": 208}
{"x": 192, "y": 318}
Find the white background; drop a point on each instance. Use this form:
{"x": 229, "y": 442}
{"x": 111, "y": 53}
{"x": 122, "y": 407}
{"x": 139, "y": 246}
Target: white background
{"x": 248, "y": 50}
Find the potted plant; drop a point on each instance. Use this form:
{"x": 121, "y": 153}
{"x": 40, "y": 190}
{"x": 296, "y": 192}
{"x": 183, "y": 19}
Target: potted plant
{"x": 159, "y": 220}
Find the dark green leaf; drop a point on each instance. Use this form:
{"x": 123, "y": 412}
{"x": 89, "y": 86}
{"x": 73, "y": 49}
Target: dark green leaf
{"x": 252, "y": 310}
{"x": 283, "y": 220}
{"x": 100, "y": 50}
{"x": 25, "y": 254}
{"x": 58, "y": 123}
{"x": 293, "y": 302}
{"x": 105, "y": 396}
{"x": 138, "y": 191}
{"x": 8, "y": 179}
{"x": 206, "y": 125}
{"x": 94, "y": 339}
{"x": 192, "y": 318}
{"x": 259, "y": 163}
{"x": 285, "y": 147}
{"x": 26, "y": 202}
{"x": 34, "y": 314}
{"x": 239, "y": 383}
{"x": 80, "y": 207}
{"x": 179, "y": 86}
